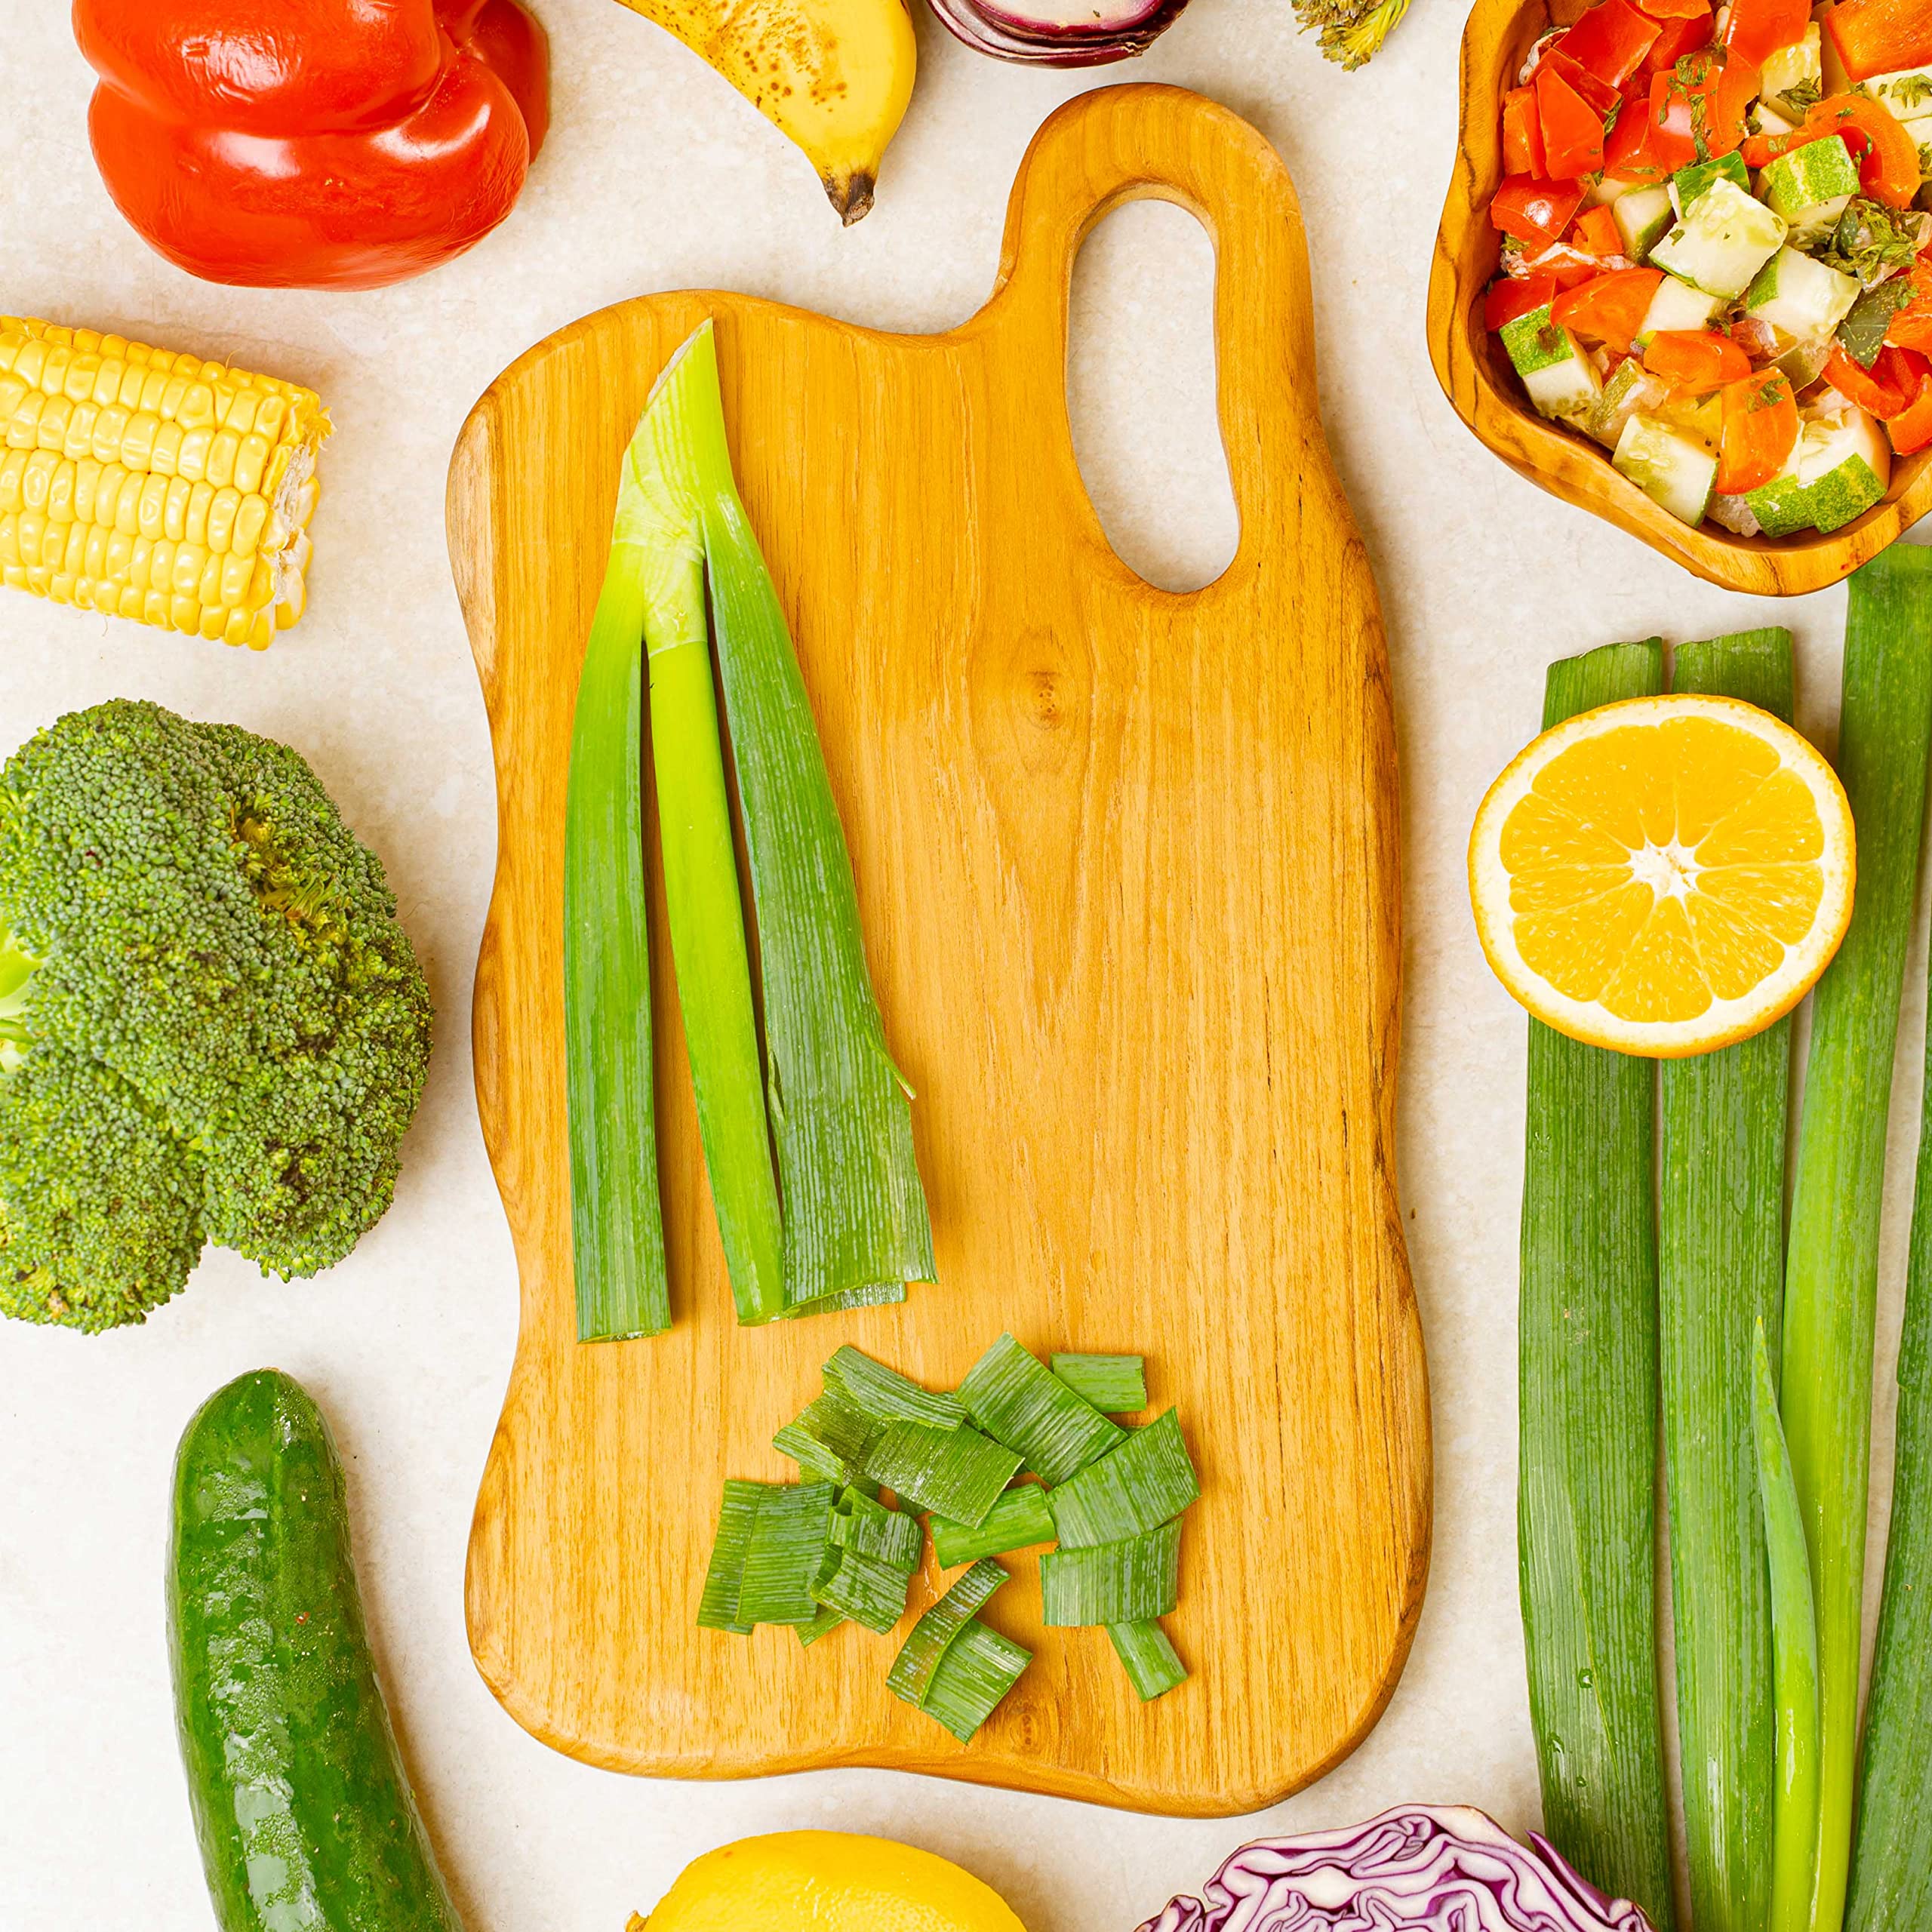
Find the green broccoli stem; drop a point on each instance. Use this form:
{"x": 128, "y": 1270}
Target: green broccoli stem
{"x": 17, "y": 967}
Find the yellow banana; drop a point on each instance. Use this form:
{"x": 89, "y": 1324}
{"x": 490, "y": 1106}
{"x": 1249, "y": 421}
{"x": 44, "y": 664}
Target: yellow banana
{"x": 833, "y": 75}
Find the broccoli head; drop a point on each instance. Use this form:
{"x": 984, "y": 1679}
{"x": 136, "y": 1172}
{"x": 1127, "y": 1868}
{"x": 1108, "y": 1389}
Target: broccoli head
{"x": 212, "y": 1026}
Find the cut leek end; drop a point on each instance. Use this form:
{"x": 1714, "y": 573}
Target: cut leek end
{"x": 1148, "y": 1656}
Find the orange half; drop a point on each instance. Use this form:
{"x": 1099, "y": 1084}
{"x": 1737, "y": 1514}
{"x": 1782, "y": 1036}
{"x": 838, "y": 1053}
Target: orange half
{"x": 1664, "y": 876}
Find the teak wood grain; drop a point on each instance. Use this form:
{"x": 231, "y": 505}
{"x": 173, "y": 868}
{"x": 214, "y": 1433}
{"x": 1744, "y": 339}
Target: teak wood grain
{"x": 1475, "y": 375}
{"x": 1126, "y": 865}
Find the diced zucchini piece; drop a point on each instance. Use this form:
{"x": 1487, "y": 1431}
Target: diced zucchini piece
{"x": 1801, "y": 65}
{"x": 1672, "y": 469}
{"x": 1724, "y": 238}
{"x": 1809, "y": 187}
{"x": 1606, "y": 191}
{"x": 1677, "y": 305}
{"x": 1562, "y": 381}
{"x": 1839, "y": 468}
{"x": 1643, "y": 217}
{"x": 1907, "y": 94}
{"x": 1631, "y": 389}
{"x": 1688, "y": 183}
{"x": 1802, "y": 296}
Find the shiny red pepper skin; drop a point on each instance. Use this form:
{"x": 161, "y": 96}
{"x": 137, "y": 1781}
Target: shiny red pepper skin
{"x": 314, "y": 143}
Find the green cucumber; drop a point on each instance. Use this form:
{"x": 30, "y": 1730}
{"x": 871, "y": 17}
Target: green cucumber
{"x": 305, "y": 1817}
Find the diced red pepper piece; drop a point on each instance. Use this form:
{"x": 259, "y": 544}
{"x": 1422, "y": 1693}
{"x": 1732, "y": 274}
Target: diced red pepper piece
{"x": 1884, "y": 389}
{"x": 1522, "y": 133}
{"x": 1698, "y": 108}
{"x": 1629, "y": 152}
{"x": 1537, "y": 212}
{"x": 1760, "y": 430}
{"x": 1595, "y": 232}
{"x": 1911, "y": 430}
{"x": 1572, "y": 128}
{"x": 1674, "y": 10}
{"x": 1695, "y": 361}
{"x": 1609, "y": 309}
{"x": 1757, "y": 29}
{"x": 1880, "y": 36}
{"x": 1511, "y": 295}
{"x": 1684, "y": 33}
{"x": 1910, "y": 327}
{"x": 1600, "y": 94}
{"x": 1610, "y": 41}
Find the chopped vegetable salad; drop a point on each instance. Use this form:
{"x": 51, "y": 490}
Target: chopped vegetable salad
{"x": 1717, "y": 250}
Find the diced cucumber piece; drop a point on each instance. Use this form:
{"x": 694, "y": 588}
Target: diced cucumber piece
{"x": 1677, "y": 305}
{"x": 1688, "y": 183}
{"x": 1562, "y": 381}
{"x": 1803, "y": 297}
{"x": 1840, "y": 467}
{"x": 1801, "y": 65}
{"x": 1631, "y": 389}
{"x": 1643, "y": 217}
{"x": 1809, "y": 187}
{"x": 1606, "y": 191}
{"x": 1724, "y": 238}
{"x": 1763, "y": 120}
{"x": 1907, "y": 93}
{"x": 1674, "y": 470}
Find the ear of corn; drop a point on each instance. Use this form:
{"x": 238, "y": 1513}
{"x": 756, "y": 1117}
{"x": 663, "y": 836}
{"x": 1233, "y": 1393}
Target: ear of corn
{"x": 155, "y": 486}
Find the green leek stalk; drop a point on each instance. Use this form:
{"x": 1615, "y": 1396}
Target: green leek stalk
{"x": 660, "y": 511}
{"x": 1891, "y": 1876}
{"x": 1792, "y": 1872}
{"x": 1587, "y": 1505}
{"x": 1831, "y": 1268}
{"x": 856, "y": 1225}
{"x": 617, "y": 1224}
{"x": 1721, "y": 1276}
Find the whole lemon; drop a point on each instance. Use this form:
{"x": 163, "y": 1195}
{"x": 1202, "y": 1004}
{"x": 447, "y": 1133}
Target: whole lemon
{"x": 826, "y": 1881}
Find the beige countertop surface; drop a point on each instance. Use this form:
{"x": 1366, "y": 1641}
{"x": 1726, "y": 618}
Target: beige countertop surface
{"x": 657, "y": 176}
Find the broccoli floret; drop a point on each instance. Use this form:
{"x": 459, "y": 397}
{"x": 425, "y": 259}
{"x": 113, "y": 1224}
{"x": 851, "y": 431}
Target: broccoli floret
{"x": 211, "y": 1007}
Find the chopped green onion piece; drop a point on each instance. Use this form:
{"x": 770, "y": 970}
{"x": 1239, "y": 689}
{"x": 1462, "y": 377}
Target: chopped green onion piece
{"x": 1587, "y": 1339}
{"x": 855, "y": 1214}
{"x": 1721, "y": 1275}
{"x": 1113, "y": 1582}
{"x": 816, "y": 1462}
{"x": 1148, "y": 1481}
{"x": 823, "y": 1625}
{"x": 954, "y": 1472}
{"x": 861, "y": 1523}
{"x": 828, "y": 1440}
{"x": 979, "y": 1667}
{"x": 1019, "y": 1401}
{"x": 1795, "y": 1671}
{"x": 1150, "y": 1660}
{"x": 661, "y": 512}
{"x": 868, "y": 1591}
{"x": 724, "y": 1581}
{"x": 616, "y": 1223}
{"x": 1116, "y": 1385}
{"x": 886, "y": 1395}
{"x": 1018, "y": 1521}
{"x": 920, "y": 1655}
{"x": 1831, "y": 1264}
{"x": 787, "y": 1545}
{"x": 874, "y": 1294}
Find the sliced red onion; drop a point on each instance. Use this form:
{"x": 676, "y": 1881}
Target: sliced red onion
{"x": 1434, "y": 1869}
{"x": 1058, "y": 33}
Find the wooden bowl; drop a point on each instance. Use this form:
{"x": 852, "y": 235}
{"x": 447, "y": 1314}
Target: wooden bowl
{"x": 1476, "y": 376}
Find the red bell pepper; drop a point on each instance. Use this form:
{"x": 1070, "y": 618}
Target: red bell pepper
{"x": 1910, "y": 327}
{"x": 1676, "y": 10}
{"x": 1572, "y": 128}
{"x": 314, "y": 143}
{"x": 1594, "y": 231}
{"x": 1522, "y": 133}
{"x": 1698, "y": 108}
{"x": 1535, "y": 212}
{"x": 1629, "y": 149}
{"x": 1610, "y": 41}
{"x": 1759, "y": 415}
{"x": 1758, "y": 29}
{"x": 1609, "y": 310}
{"x": 1695, "y": 361}
{"x": 1887, "y": 159}
{"x": 1511, "y": 295}
{"x": 1880, "y": 36}
{"x": 1911, "y": 430}
{"x": 1884, "y": 389}
{"x": 1600, "y": 94}
{"x": 1682, "y": 34}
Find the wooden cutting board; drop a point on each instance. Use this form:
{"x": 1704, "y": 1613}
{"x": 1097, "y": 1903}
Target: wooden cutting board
{"x": 1126, "y": 865}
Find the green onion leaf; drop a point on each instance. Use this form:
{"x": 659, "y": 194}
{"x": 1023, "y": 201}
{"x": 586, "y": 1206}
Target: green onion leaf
{"x": 1152, "y": 1663}
{"x": 1019, "y": 1401}
{"x": 886, "y": 1395}
{"x": 1018, "y": 1521}
{"x": 660, "y": 511}
{"x": 1148, "y": 1481}
{"x": 860, "y": 1522}
{"x": 724, "y": 1581}
{"x": 1116, "y": 1385}
{"x": 782, "y": 1559}
{"x": 1586, "y": 1516}
{"x": 920, "y": 1655}
{"x": 954, "y": 1472}
{"x": 828, "y": 1440}
{"x": 1794, "y": 1643}
{"x": 616, "y": 1224}
{"x": 1831, "y": 1265}
{"x": 1113, "y": 1582}
{"x": 855, "y": 1214}
{"x": 978, "y": 1669}
{"x": 1721, "y": 1275}
{"x": 867, "y": 1590}
{"x": 823, "y": 1625}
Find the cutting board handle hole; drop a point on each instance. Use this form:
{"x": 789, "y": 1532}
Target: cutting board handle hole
{"x": 1141, "y": 394}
